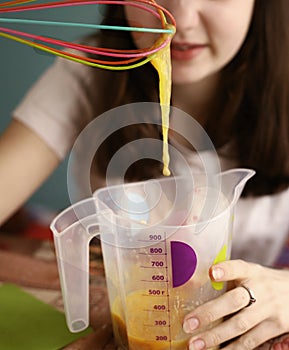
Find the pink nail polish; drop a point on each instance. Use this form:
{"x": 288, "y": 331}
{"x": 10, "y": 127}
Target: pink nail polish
{"x": 198, "y": 344}
{"x": 190, "y": 325}
{"x": 217, "y": 273}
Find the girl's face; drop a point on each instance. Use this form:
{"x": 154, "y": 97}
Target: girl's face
{"x": 209, "y": 34}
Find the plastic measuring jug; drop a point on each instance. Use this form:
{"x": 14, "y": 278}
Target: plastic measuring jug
{"x": 159, "y": 239}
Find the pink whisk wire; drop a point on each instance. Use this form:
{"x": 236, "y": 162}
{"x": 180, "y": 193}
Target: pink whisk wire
{"x": 131, "y": 58}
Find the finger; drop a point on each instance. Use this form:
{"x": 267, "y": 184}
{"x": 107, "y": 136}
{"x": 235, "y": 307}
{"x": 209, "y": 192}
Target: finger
{"x": 235, "y": 326}
{"x": 230, "y": 270}
{"x": 226, "y": 304}
{"x": 255, "y": 337}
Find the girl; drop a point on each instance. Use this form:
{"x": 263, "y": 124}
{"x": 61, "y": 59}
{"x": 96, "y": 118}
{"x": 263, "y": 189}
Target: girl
{"x": 230, "y": 72}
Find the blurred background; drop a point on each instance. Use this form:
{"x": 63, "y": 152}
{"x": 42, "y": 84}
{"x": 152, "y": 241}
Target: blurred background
{"x": 20, "y": 67}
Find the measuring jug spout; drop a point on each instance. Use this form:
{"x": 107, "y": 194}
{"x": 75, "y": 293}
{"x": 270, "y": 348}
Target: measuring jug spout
{"x": 233, "y": 182}
{"x": 72, "y": 230}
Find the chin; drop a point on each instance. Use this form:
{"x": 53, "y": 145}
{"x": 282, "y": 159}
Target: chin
{"x": 190, "y": 74}
{"x": 180, "y": 79}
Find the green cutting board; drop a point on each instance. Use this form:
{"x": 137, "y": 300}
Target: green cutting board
{"x": 27, "y": 323}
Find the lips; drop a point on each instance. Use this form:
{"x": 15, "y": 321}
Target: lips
{"x": 185, "y": 51}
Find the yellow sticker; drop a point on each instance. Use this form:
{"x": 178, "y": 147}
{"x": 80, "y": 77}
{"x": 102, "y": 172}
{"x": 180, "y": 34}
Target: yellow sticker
{"x": 222, "y": 256}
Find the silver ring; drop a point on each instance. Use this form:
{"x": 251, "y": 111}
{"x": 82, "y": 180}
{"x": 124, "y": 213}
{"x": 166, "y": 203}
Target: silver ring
{"x": 251, "y": 295}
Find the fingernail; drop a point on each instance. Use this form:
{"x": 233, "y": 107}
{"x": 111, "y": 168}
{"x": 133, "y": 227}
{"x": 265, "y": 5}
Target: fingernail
{"x": 190, "y": 325}
{"x": 198, "y": 344}
{"x": 217, "y": 273}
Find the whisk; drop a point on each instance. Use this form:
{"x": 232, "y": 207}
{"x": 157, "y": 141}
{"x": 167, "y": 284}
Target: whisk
{"x": 114, "y": 59}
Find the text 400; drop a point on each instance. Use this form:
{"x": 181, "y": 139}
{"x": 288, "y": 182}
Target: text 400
{"x": 160, "y": 307}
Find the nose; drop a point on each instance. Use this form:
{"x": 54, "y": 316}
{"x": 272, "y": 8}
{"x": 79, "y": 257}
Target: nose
{"x": 186, "y": 13}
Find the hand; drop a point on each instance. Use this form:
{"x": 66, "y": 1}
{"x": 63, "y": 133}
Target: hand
{"x": 245, "y": 328}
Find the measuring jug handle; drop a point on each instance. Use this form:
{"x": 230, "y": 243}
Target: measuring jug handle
{"x": 72, "y": 252}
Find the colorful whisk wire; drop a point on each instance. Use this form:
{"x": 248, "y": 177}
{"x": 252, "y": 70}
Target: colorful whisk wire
{"x": 114, "y": 59}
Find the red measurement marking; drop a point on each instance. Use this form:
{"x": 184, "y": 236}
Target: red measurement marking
{"x": 154, "y": 281}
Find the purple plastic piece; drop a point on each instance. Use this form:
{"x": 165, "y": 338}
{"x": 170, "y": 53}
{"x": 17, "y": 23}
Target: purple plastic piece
{"x": 184, "y": 262}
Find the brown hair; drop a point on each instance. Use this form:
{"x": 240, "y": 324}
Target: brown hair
{"x": 255, "y": 86}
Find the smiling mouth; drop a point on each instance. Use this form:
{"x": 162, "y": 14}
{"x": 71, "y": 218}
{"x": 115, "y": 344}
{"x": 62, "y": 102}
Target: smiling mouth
{"x": 186, "y": 51}
{"x": 186, "y": 47}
